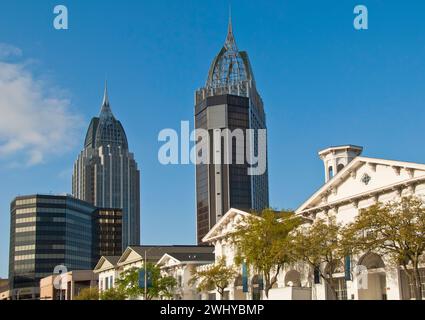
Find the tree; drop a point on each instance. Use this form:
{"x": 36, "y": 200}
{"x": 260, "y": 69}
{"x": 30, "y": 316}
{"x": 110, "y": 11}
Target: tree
{"x": 160, "y": 286}
{"x": 217, "y": 276}
{"x": 91, "y": 293}
{"x": 395, "y": 230}
{"x": 113, "y": 294}
{"x": 319, "y": 245}
{"x": 262, "y": 243}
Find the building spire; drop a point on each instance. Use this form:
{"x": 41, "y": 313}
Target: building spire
{"x": 105, "y": 95}
{"x": 230, "y": 43}
{"x": 106, "y": 111}
{"x": 230, "y": 27}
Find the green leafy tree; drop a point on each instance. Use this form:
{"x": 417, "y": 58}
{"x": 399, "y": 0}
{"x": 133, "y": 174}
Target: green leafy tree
{"x": 162, "y": 287}
{"x": 395, "y": 230}
{"x": 320, "y": 246}
{"x": 218, "y": 277}
{"x": 113, "y": 294}
{"x": 262, "y": 243}
{"x": 91, "y": 293}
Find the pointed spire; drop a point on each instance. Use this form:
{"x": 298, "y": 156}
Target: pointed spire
{"x": 106, "y": 111}
{"x": 230, "y": 27}
{"x": 105, "y": 95}
{"x": 230, "y": 43}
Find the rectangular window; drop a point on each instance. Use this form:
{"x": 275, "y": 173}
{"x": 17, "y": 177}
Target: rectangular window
{"x": 25, "y": 229}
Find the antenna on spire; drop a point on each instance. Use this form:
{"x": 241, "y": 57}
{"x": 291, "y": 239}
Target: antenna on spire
{"x": 105, "y": 94}
{"x": 230, "y": 43}
{"x": 230, "y": 28}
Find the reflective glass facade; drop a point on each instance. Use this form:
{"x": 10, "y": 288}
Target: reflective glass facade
{"x": 229, "y": 100}
{"x": 48, "y": 231}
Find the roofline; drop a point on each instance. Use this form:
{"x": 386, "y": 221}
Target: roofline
{"x": 100, "y": 262}
{"x": 364, "y": 194}
{"x": 166, "y": 255}
{"x": 341, "y": 147}
{"x": 231, "y": 210}
{"x": 353, "y": 163}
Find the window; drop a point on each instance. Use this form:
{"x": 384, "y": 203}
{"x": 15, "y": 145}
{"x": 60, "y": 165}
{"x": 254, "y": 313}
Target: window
{"x": 331, "y": 172}
{"x": 422, "y": 277}
{"x": 341, "y": 289}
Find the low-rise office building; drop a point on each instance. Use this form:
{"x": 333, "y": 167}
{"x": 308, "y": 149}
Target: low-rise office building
{"x": 67, "y": 286}
{"x": 4, "y": 289}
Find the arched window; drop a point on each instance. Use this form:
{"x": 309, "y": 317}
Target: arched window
{"x": 340, "y": 167}
{"x": 331, "y": 172}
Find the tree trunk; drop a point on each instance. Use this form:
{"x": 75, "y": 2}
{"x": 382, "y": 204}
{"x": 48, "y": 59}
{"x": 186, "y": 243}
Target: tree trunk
{"x": 330, "y": 286}
{"x": 221, "y": 293}
{"x": 417, "y": 283}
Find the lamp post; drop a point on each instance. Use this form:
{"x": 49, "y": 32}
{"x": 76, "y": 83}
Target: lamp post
{"x": 146, "y": 277}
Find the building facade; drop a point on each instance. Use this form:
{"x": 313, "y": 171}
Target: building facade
{"x": 46, "y": 232}
{"x": 181, "y": 266}
{"x": 352, "y": 183}
{"x": 108, "y": 233}
{"x": 229, "y": 104}
{"x": 357, "y": 183}
{"x": 70, "y": 286}
{"x": 110, "y": 268}
{"x": 106, "y": 174}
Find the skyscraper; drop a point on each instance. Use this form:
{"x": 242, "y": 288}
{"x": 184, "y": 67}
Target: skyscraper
{"x": 229, "y": 100}
{"x": 106, "y": 174}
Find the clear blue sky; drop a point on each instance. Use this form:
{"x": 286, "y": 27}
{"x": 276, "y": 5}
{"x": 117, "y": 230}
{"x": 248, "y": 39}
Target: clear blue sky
{"x": 323, "y": 83}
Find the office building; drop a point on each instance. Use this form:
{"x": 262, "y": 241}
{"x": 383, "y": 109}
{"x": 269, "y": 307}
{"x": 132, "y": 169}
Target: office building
{"x": 47, "y": 232}
{"x": 106, "y": 174}
{"x": 230, "y": 100}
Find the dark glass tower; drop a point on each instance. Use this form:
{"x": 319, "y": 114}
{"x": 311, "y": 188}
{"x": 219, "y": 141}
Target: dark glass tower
{"x": 106, "y": 174}
{"x": 229, "y": 100}
{"x": 47, "y": 231}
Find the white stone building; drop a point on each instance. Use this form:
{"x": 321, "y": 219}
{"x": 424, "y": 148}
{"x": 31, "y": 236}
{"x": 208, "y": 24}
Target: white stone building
{"x": 352, "y": 183}
{"x": 181, "y": 266}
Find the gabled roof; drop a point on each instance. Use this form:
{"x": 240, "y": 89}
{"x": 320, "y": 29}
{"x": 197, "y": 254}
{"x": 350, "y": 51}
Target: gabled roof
{"x": 106, "y": 263}
{"x": 189, "y": 258}
{"x": 352, "y": 167}
{"x": 229, "y": 216}
{"x": 155, "y": 253}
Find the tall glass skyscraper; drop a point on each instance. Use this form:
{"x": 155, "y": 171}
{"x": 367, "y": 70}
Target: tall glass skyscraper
{"x": 229, "y": 100}
{"x": 106, "y": 174}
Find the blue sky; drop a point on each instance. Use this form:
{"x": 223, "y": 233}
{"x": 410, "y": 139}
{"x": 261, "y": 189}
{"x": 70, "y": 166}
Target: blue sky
{"x": 323, "y": 83}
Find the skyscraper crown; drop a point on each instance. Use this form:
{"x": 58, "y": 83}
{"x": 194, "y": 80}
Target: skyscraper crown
{"x": 230, "y": 66}
{"x": 105, "y": 130}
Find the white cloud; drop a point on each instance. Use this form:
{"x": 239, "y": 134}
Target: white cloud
{"x": 7, "y": 50}
{"x": 35, "y": 120}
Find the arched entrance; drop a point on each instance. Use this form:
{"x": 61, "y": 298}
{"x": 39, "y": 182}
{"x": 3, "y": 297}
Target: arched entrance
{"x": 238, "y": 293}
{"x": 339, "y": 284}
{"x": 256, "y": 288}
{"x": 293, "y": 279}
{"x": 371, "y": 277}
